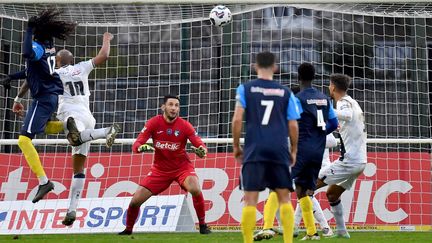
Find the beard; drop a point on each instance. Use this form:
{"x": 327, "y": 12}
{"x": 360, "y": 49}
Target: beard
{"x": 170, "y": 116}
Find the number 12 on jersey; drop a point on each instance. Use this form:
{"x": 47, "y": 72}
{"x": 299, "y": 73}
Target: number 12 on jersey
{"x": 268, "y": 109}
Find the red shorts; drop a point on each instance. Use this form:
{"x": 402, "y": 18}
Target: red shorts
{"x": 157, "y": 180}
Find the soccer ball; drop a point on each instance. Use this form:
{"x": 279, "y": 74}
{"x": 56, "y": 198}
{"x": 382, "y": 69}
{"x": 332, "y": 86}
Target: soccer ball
{"x": 220, "y": 16}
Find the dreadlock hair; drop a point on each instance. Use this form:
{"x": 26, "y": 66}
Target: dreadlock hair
{"x": 47, "y": 25}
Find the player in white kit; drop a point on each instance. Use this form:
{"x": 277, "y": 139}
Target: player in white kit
{"x": 74, "y": 104}
{"x": 341, "y": 174}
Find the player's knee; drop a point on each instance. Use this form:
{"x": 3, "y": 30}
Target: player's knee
{"x": 195, "y": 190}
{"x": 332, "y": 197}
{"x": 23, "y": 141}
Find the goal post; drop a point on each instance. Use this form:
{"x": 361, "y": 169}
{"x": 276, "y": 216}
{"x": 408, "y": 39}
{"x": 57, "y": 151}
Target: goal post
{"x": 171, "y": 47}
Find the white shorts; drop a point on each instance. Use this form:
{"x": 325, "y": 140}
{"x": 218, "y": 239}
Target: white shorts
{"x": 83, "y": 121}
{"x": 341, "y": 173}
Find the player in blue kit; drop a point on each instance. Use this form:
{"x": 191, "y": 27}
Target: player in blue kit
{"x": 317, "y": 120}
{"x": 45, "y": 86}
{"x": 271, "y": 112}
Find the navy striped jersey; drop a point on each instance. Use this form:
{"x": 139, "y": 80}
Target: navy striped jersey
{"x": 317, "y": 110}
{"x": 41, "y": 78}
{"x": 268, "y": 107}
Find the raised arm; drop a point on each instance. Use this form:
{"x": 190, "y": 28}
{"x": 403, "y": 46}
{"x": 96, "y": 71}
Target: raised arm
{"x": 144, "y": 135}
{"x": 104, "y": 52}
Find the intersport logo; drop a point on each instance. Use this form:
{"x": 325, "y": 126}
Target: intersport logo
{"x": 167, "y": 146}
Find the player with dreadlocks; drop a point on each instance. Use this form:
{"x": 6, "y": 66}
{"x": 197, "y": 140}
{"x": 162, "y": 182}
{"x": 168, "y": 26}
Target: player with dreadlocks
{"x": 45, "y": 87}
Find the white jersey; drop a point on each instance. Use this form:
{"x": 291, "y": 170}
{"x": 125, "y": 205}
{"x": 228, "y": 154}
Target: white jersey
{"x": 352, "y": 130}
{"x": 330, "y": 143}
{"x": 76, "y": 88}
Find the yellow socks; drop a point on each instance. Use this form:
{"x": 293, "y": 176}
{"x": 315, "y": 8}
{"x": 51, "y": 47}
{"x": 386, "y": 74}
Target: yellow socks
{"x": 54, "y": 127}
{"x": 287, "y": 218}
{"x": 308, "y": 217}
{"x": 31, "y": 155}
{"x": 248, "y": 222}
{"x": 270, "y": 209}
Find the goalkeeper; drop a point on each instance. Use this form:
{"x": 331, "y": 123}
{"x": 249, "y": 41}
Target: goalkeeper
{"x": 170, "y": 134}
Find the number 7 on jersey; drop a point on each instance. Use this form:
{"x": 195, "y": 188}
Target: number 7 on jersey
{"x": 268, "y": 109}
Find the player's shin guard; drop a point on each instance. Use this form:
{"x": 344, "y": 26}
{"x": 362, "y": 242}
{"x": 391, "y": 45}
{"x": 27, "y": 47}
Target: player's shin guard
{"x": 199, "y": 205}
{"x": 76, "y": 190}
{"x": 308, "y": 217}
{"x": 270, "y": 209}
{"x": 32, "y": 158}
{"x": 248, "y": 222}
{"x": 337, "y": 210}
{"x": 54, "y": 127}
{"x": 287, "y": 218}
{"x": 131, "y": 216}
{"x": 319, "y": 214}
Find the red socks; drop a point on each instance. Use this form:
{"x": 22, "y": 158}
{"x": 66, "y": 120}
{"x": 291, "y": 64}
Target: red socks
{"x": 131, "y": 216}
{"x": 198, "y": 202}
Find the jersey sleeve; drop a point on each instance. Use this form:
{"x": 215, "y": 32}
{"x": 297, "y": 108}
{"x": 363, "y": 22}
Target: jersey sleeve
{"x": 193, "y": 137}
{"x": 344, "y": 110}
{"x": 294, "y": 108}
{"x": 240, "y": 96}
{"x": 144, "y": 135}
{"x": 331, "y": 114}
{"x": 87, "y": 66}
{"x": 38, "y": 51}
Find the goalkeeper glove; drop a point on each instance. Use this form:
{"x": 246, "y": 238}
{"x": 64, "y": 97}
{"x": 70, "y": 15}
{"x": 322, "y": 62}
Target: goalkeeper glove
{"x": 201, "y": 151}
{"x": 145, "y": 148}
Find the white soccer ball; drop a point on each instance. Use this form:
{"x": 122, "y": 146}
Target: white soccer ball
{"x": 220, "y": 16}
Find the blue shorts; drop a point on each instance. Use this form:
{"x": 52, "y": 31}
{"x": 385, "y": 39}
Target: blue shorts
{"x": 38, "y": 115}
{"x": 305, "y": 173}
{"x": 257, "y": 176}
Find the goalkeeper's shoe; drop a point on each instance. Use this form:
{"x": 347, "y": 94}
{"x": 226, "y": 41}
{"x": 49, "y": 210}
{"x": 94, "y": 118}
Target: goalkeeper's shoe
{"x": 42, "y": 191}
{"x": 69, "y": 218}
{"x": 265, "y": 234}
{"x": 125, "y": 232}
{"x": 112, "y": 133}
{"x": 145, "y": 148}
{"x": 74, "y": 135}
{"x": 204, "y": 229}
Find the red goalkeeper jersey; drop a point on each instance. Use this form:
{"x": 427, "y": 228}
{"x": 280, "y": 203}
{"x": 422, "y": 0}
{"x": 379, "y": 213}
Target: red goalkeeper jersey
{"x": 169, "y": 141}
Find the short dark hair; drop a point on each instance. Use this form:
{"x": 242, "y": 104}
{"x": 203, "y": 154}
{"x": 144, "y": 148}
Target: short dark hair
{"x": 295, "y": 88}
{"x": 265, "y": 59}
{"x": 341, "y": 81}
{"x": 306, "y": 72}
{"x": 170, "y": 96}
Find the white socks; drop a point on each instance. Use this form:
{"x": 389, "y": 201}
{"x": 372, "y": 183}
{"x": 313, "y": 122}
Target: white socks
{"x": 77, "y": 187}
{"x": 93, "y": 134}
{"x": 43, "y": 180}
{"x": 337, "y": 211}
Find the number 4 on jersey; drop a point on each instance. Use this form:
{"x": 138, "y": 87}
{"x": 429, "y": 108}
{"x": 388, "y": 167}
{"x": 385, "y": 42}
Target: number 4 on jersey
{"x": 320, "y": 119}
